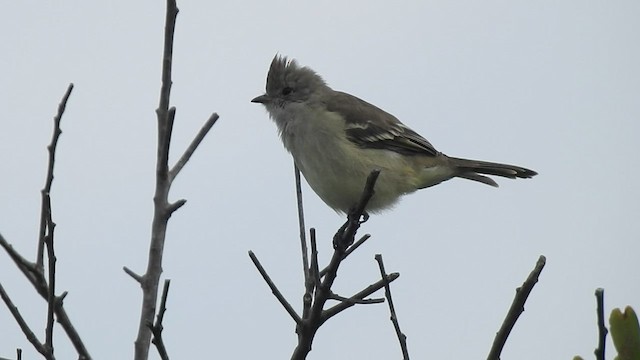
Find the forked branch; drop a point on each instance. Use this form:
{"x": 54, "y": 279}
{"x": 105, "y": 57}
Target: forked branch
{"x": 318, "y": 283}
{"x": 44, "y": 284}
{"x": 163, "y": 209}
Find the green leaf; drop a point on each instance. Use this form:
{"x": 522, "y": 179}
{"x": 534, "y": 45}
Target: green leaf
{"x": 625, "y": 333}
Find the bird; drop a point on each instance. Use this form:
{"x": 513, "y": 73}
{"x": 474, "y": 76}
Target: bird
{"x": 337, "y": 139}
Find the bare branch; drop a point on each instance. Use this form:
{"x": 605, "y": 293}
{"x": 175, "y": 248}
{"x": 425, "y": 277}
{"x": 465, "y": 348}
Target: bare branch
{"x": 163, "y": 209}
{"x": 337, "y": 297}
{"x": 357, "y": 244}
{"x": 602, "y": 329}
{"x": 314, "y": 273}
{"x": 311, "y": 275}
{"x": 46, "y": 205}
{"x": 51, "y": 300}
{"x": 301, "y": 225}
{"x": 274, "y": 289}
{"x": 156, "y": 329}
{"x": 344, "y": 237}
{"x": 28, "y": 268}
{"x": 334, "y": 310}
{"x": 351, "y": 249}
{"x": 70, "y": 330}
{"x": 517, "y": 308}
{"x": 22, "y": 323}
{"x": 131, "y": 273}
{"x": 171, "y": 208}
{"x": 34, "y": 272}
{"x": 161, "y": 213}
{"x": 163, "y": 302}
{"x": 37, "y": 279}
{"x": 402, "y": 338}
{"x": 193, "y": 146}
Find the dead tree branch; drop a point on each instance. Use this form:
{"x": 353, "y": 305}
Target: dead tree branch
{"x": 34, "y": 272}
{"x": 517, "y": 308}
{"x": 309, "y": 279}
{"x": 402, "y": 338}
{"x": 193, "y": 146}
{"x": 602, "y": 328}
{"x": 45, "y": 208}
{"x": 156, "y": 329}
{"x": 274, "y": 289}
{"x": 51, "y": 300}
{"x": 318, "y": 283}
{"x": 26, "y": 330}
{"x": 336, "y": 309}
{"x": 163, "y": 209}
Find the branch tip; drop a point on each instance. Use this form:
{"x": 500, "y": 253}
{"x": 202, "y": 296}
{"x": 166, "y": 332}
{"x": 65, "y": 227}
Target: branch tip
{"x": 173, "y": 207}
{"x": 204, "y": 130}
{"x": 131, "y": 273}
{"x": 274, "y": 289}
{"x": 516, "y": 309}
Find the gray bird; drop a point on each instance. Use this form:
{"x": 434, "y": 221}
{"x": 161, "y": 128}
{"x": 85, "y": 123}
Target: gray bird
{"x": 337, "y": 139}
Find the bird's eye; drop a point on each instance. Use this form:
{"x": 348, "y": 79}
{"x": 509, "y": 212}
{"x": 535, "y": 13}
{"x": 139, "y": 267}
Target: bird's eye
{"x": 287, "y": 90}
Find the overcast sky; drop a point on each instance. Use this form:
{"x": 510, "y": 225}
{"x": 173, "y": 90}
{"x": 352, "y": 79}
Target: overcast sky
{"x": 549, "y": 85}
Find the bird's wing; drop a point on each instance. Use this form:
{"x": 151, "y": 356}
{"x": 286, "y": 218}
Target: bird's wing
{"x": 371, "y": 127}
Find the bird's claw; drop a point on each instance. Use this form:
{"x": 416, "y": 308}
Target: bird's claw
{"x": 365, "y": 217}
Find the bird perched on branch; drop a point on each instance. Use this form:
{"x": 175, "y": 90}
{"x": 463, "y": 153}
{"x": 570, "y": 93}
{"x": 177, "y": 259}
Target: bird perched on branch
{"x": 337, "y": 139}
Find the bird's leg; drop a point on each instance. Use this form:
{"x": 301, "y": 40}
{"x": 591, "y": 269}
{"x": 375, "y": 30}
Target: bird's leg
{"x": 345, "y": 235}
{"x": 339, "y": 237}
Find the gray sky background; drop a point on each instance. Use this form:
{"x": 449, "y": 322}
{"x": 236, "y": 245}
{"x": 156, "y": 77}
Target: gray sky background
{"x": 550, "y": 85}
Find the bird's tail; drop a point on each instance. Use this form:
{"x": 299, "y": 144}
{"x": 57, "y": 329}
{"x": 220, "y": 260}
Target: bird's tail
{"x": 472, "y": 170}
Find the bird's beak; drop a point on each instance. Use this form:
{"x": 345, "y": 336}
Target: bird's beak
{"x": 262, "y": 99}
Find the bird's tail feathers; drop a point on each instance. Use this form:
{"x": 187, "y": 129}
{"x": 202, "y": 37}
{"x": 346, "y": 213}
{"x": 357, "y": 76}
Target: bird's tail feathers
{"x": 472, "y": 170}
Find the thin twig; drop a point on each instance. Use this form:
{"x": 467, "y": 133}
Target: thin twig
{"x": 51, "y": 301}
{"x": 39, "y": 283}
{"x": 517, "y": 308}
{"x": 163, "y": 302}
{"x": 70, "y": 330}
{"x": 33, "y": 339}
{"x": 351, "y": 249}
{"x": 49, "y": 179}
{"x": 602, "y": 328}
{"x": 156, "y": 329}
{"x": 402, "y": 338}
{"x": 174, "y": 206}
{"x": 131, "y": 273}
{"x": 336, "y": 309}
{"x": 301, "y": 226}
{"x": 344, "y": 237}
{"x": 315, "y": 274}
{"x": 337, "y": 297}
{"x": 34, "y": 272}
{"x": 193, "y": 146}
{"x": 311, "y": 276}
{"x": 274, "y": 289}
{"x": 28, "y": 268}
{"x": 357, "y": 244}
